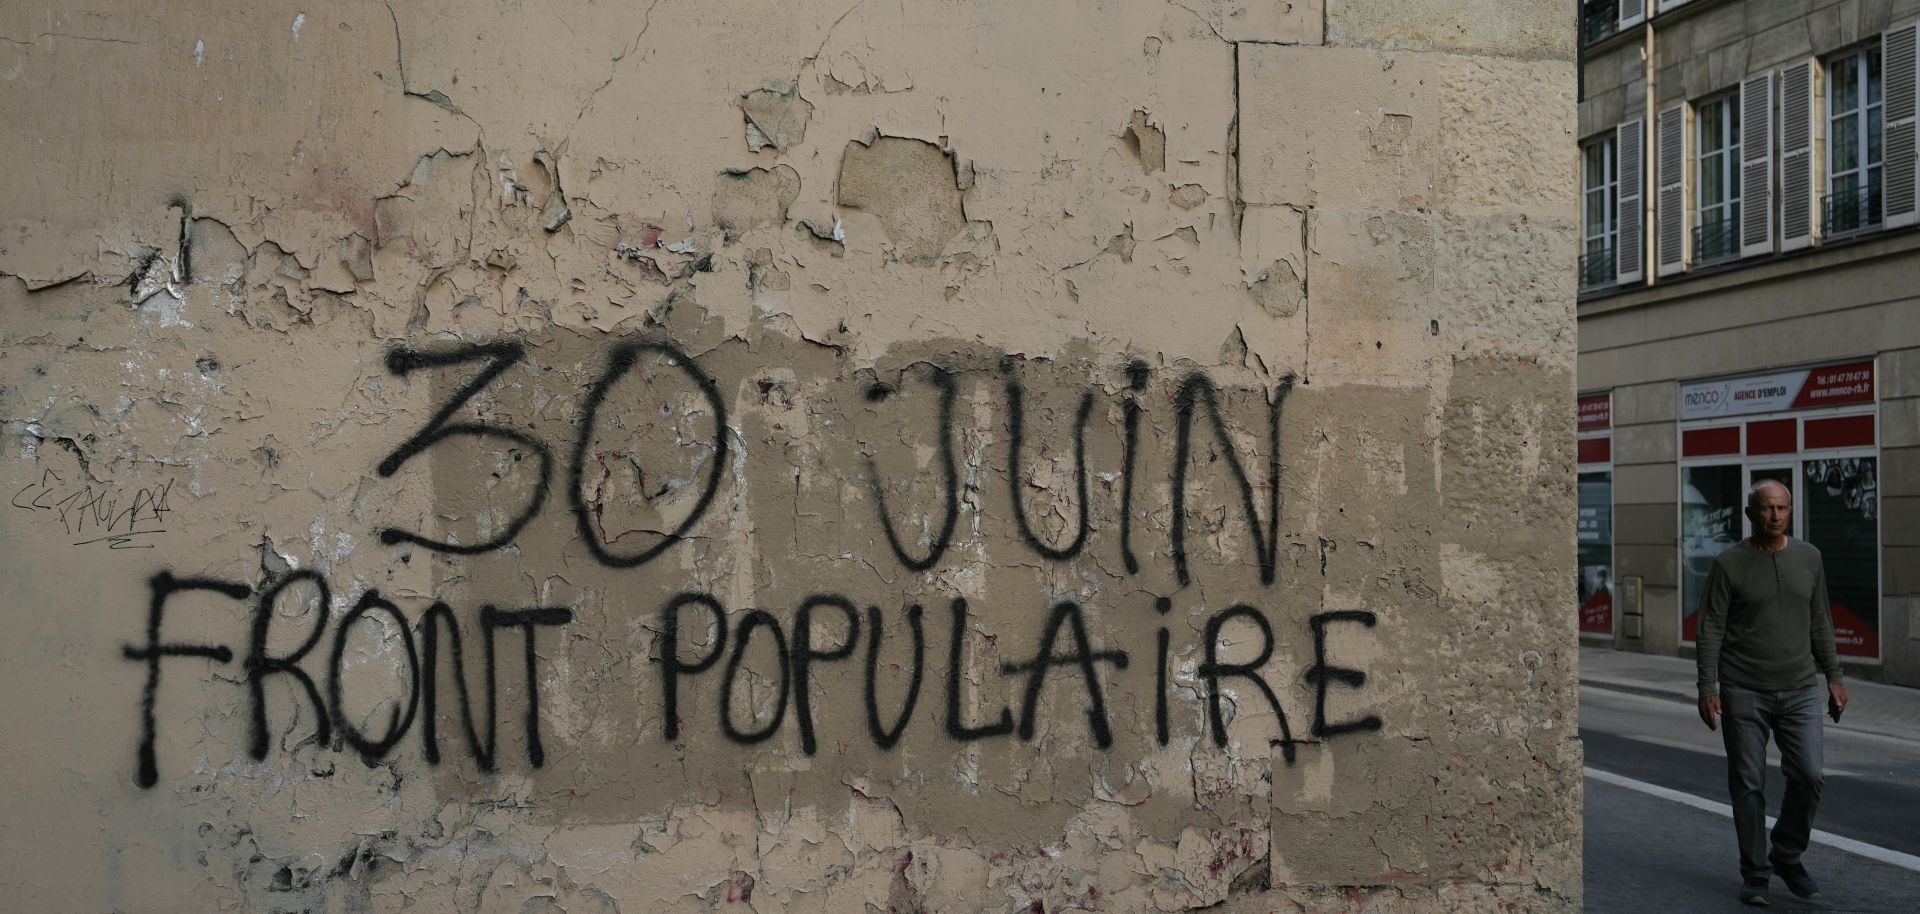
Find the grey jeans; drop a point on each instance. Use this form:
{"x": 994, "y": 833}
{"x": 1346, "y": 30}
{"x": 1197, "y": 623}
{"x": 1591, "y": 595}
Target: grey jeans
{"x": 1793, "y": 719}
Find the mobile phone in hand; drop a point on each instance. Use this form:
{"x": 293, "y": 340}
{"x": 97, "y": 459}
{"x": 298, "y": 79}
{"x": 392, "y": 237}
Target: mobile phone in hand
{"x": 1833, "y": 708}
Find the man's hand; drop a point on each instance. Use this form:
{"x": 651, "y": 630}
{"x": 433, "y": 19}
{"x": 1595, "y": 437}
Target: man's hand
{"x": 1837, "y": 697}
{"x": 1710, "y": 709}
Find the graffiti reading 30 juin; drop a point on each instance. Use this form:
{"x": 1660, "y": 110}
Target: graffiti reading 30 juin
{"x": 316, "y": 667}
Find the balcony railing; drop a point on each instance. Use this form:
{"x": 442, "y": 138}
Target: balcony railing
{"x": 1599, "y": 20}
{"x": 1715, "y": 241}
{"x": 1850, "y": 212}
{"x": 1597, "y": 269}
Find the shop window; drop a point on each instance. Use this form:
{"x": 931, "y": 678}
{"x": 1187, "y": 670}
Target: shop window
{"x": 1842, "y": 504}
{"x": 1813, "y": 430}
{"x": 1835, "y": 507}
{"x": 1594, "y": 527}
{"x": 1595, "y": 539}
{"x": 1711, "y": 501}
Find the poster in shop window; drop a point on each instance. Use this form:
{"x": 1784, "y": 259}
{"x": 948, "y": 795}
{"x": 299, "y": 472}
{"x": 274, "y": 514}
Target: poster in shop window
{"x": 1711, "y": 499}
{"x": 1595, "y": 537}
{"x": 1841, "y": 499}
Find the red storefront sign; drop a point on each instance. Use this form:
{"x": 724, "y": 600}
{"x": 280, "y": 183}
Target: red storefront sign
{"x": 1706, "y": 442}
{"x": 1839, "y": 385}
{"x": 1842, "y": 431}
{"x": 1773, "y": 436}
{"x": 1595, "y": 450}
{"x": 1596, "y": 413}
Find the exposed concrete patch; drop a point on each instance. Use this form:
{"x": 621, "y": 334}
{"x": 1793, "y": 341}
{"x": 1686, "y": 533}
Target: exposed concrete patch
{"x": 776, "y": 119}
{"x": 1278, "y": 289}
{"x": 744, "y": 201}
{"x": 1188, "y": 196}
{"x": 1147, "y": 142}
{"x": 910, "y": 185}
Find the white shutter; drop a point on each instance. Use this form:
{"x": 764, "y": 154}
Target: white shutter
{"x": 1898, "y": 80}
{"x": 1630, "y": 251}
{"x": 1632, "y": 12}
{"x": 1756, "y": 165}
{"x": 1799, "y": 154}
{"x": 1671, "y": 209}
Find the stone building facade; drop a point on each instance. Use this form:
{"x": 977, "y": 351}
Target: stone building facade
{"x": 797, "y": 456}
{"x": 1748, "y": 308}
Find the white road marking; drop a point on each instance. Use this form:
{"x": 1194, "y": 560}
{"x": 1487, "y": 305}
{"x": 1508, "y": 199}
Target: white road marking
{"x": 1860, "y": 848}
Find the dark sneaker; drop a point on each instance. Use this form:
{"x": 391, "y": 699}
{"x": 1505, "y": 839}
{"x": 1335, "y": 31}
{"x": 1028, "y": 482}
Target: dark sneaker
{"x": 1754, "y": 892}
{"x": 1798, "y": 881}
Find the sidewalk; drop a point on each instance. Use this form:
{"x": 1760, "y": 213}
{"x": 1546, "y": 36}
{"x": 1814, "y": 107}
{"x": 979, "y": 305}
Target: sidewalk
{"x": 1886, "y": 710}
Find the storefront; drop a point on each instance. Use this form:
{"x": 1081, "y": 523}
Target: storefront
{"x": 1595, "y": 530}
{"x": 1816, "y": 432}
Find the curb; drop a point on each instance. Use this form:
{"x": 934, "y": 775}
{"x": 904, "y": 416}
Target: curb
{"x": 1678, "y": 696}
{"x": 1633, "y": 687}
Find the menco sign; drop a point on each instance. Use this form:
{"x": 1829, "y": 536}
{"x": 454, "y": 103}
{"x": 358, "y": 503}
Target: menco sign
{"x": 1807, "y": 388}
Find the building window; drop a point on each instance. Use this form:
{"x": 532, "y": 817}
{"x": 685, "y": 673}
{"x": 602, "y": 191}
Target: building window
{"x": 1599, "y": 19}
{"x": 1716, "y": 234}
{"x": 1853, "y": 143}
{"x": 1600, "y": 202}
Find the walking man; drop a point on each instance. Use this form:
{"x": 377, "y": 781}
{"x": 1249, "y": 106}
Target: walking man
{"x": 1765, "y": 635}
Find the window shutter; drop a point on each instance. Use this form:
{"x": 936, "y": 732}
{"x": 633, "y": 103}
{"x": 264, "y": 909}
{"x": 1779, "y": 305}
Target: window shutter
{"x": 1898, "y": 79}
{"x": 1630, "y": 255}
{"x": 1632, "y": 12}
{"x": 1756, "y": 165}
{"x": 1671, "y": 207}
{"x": 1799, "y": 154}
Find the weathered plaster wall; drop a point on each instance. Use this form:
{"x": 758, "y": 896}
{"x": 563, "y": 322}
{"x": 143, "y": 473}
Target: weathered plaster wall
{"x": 807, "y": 456}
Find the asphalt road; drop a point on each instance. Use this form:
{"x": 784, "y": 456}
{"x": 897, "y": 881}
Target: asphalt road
{"x": 1648, "y": 853}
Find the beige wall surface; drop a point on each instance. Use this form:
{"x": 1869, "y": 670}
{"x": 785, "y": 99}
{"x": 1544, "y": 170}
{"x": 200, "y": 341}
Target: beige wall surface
{"x": 788, "y": 456}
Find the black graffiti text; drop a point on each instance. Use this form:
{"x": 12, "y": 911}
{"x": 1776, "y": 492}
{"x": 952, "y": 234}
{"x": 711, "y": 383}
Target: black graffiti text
{"x": 100, "y": 515}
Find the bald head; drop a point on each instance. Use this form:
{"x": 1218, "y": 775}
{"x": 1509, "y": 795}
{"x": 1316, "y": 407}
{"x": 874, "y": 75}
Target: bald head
{"x": 1770, "y": 508}
{"x": 1765, "y": 490}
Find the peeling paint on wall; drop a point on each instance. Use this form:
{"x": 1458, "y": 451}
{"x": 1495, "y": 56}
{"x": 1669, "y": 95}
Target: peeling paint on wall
{"x": 788, "y": 457}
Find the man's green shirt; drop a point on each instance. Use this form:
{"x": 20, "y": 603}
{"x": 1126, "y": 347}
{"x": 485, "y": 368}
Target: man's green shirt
{"x": 1765, "y": 623}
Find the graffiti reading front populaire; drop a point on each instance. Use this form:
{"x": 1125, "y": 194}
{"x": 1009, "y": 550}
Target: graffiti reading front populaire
{"x": 316, "y": 667}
